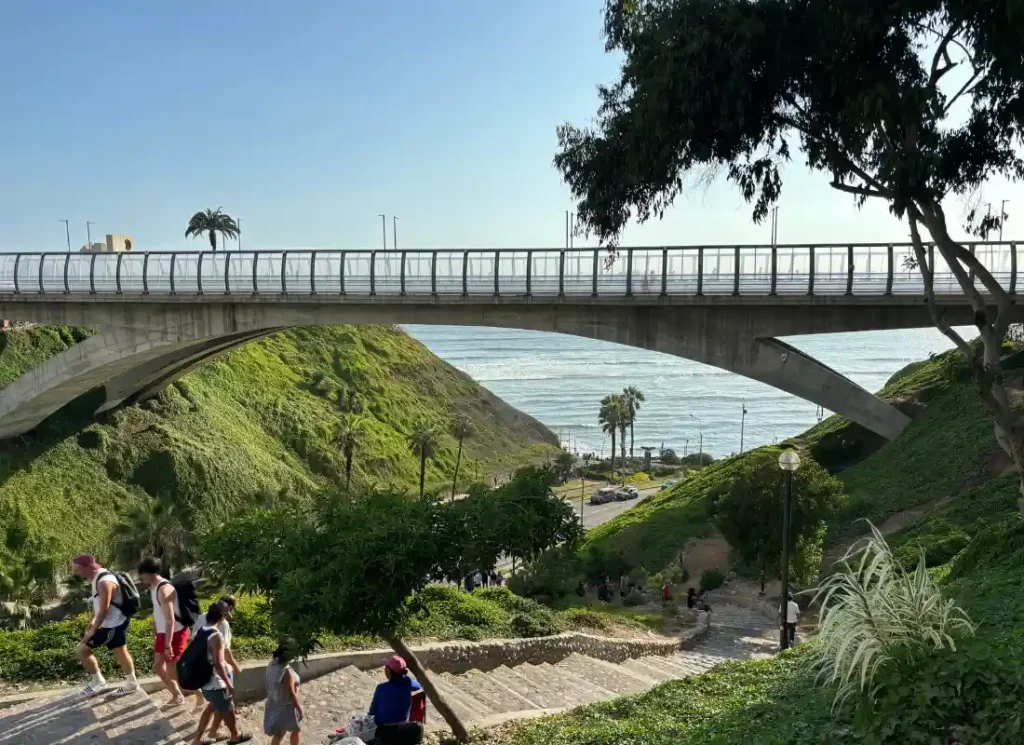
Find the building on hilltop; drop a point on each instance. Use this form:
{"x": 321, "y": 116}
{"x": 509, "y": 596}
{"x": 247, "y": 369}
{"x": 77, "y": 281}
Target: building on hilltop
{"x": 114, "y": 244}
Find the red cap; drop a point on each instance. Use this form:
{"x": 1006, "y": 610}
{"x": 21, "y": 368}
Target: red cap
{"x": 86, "y": 561}
{"x": 396, "y": 665}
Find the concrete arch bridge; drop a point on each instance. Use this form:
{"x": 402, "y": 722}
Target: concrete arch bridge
{"x": 160, "y": 315}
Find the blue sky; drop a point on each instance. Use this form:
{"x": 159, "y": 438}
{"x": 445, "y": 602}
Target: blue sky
{"x": 308, "y": 119}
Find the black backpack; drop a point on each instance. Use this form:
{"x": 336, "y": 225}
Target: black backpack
{"x": 129, "y": 604}
{"x": 194, "y": 667}
{"x": 187, "y": 606}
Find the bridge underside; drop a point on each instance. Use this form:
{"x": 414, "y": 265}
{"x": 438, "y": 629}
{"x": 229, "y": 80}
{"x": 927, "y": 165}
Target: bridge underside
{"x": 143, "y": 347}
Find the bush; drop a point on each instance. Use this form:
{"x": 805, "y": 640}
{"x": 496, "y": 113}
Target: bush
{"x": 712, "y": 579}
{"x": 554, "y": 574}
{"x": 634, "y": 598}
{"x": 584, "y": 618}
{"x": 669, "y": 458}
{"x": 542, "y": 622}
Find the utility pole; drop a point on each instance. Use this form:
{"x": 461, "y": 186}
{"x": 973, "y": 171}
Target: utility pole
{"x": 775, "y": 225}
{"x": 1002, "y": 218}
{"x": 700, "y": 425}
{"x": 394, "y": 233}
{"x": 88, "y": 234}
{"x": 567, "y": 228}
{"x": 743, "y": 421}
{"x": 384, "y": 231}
{"x": 572, "y": 228}
{"x": 67, "y": 231}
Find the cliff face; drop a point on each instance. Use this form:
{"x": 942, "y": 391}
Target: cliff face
{"x": 255, "y": 426}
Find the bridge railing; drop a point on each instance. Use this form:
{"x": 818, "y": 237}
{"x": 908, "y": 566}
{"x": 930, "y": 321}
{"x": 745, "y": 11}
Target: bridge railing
{"x": 857, "y": 269}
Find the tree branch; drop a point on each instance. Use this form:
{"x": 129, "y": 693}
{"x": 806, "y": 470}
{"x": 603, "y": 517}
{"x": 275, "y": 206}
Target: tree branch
{"x": 973, "y": 79}
{"x": 928, "y": 275}
{"x": 858, "y": 190}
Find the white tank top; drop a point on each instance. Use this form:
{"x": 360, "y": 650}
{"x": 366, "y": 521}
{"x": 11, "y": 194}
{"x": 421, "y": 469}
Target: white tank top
{"x": 159, "y": 619}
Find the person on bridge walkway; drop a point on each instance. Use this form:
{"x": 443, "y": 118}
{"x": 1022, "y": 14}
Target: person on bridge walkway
{"x": 108, "y": 627}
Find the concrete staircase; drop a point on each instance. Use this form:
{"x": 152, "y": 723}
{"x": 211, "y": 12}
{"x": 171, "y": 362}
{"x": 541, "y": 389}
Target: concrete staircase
{"x": 479, "y": 698}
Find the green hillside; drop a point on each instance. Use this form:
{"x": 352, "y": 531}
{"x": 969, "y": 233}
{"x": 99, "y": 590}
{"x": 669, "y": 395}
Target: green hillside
{"x": 946, "y": 465}
{"x": 257, "y": 425}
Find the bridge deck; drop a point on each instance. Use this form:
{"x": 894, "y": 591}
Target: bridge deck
{"x": 778, "y": 272}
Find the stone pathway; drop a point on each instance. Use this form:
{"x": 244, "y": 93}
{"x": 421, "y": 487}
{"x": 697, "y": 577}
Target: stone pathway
{"x": 479, "y": 698}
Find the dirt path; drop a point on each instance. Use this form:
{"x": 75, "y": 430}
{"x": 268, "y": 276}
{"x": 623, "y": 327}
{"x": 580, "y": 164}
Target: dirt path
{"x": 896, "y": 522}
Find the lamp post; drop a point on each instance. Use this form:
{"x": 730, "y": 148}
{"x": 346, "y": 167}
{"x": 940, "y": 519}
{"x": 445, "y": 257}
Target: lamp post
{"x": 1002, "y": 218}
{"x": 789, "y": 461}
{"x": 384, "y": 230}
{"x": 67, "y": 232}
{"x": 700, "y": 429}
{"x": 394, "y": 233}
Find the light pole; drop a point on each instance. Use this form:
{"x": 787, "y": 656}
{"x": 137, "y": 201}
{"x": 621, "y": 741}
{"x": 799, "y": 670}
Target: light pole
{"x": 700, "y": 427}
{"x": 394, "y": 233}
{"x": 743, "y": 421}
{"x": 239, "y": 239}
{"x": 384, "y": 231}
{"x": 1002, "y": 218}
{"x": 67, "y": 232}
{"x": 789, "y": 461}
{"x": 88, "y": 234}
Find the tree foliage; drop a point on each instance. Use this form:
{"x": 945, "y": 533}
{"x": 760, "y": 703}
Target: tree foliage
{"x": 612, "y": 416}
{"x": 909, "y": 102}
{"x": 212, "y": 222}
{"x": 748, "y": 509}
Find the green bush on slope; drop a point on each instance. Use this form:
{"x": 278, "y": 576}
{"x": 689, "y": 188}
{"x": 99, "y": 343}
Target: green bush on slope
{"x": 255, "y": 426}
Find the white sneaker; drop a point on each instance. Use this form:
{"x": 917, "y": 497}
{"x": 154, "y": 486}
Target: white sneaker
{"x": 129, "y": 686}
{"x": 94, "y": 688}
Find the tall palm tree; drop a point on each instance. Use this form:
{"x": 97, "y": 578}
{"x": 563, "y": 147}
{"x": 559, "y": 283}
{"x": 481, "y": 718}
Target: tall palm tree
{"x": 212, "y": 222}
{"x": 633, "y": 397}
{"x": 461, "y": 430}
{"x": 423, "y": 442}
{"x": 610, "y": 416}
{"x": 347, "y": 436}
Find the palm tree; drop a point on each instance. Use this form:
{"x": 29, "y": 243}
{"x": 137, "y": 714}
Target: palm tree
{"x": 212, "y": 222}
{"x": 461, "y": 431}
{"x": 610, "y": 416}
{"x": 160, "y": 531}
{"x": 423, "y": 442}
{"x": 347, "y": 438}
{"x": 633, "y": 397}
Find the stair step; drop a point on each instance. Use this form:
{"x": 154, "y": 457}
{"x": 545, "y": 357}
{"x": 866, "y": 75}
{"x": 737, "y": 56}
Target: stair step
{"x": 558, "y": 685}
{"x": 465, "y": 707}
{"x": 507, "y": 677}
{"x": 673, "y": 667}
{"x": 484, "y": 698}
{"x": 508, "y": 698}
{"x": 580, "y": 691}
{"x": 607, "y": 675}
{"x": 644, "y": 667}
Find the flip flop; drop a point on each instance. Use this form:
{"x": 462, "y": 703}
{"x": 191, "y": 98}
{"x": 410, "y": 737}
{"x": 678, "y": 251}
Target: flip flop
{"x": 240, "y": 740}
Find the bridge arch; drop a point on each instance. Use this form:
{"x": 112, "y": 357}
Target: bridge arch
{"x": 149, "y": 346}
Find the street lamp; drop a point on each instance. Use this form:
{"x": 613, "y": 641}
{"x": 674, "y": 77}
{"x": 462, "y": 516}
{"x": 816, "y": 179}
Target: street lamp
{"x": 67, "y": 232}
{"x": 700, "y": 426}
{"x": 1002, "y": 218}
{"x": 789, "y": 461}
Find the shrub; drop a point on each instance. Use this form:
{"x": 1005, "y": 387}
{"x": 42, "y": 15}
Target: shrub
{"x": 555, "y": 574}
{"x": 875, "y": 615}
{"x": 634, "y": 598}
{"x": 712, "y": 579}
{"x": 669, "y": 458}
{"x": 584, "y": 618}
{"x": 539, "y": 623}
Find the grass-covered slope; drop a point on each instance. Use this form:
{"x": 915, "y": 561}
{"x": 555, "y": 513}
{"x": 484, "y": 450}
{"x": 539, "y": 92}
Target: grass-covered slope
{"x": 973, "y": 537}
{"x": 252, "y": 426}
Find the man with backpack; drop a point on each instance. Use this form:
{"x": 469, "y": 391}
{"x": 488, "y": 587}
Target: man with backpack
{"x": 203, "y": 668}
{"x": 175, "y": 607}
{"x": 114, "y": 601}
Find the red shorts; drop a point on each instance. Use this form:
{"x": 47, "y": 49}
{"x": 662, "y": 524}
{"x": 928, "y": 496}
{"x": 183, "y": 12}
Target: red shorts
{"x": 178, "y": 643}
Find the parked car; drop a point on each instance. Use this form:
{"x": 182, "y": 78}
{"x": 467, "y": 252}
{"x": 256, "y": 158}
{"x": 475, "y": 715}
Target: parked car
{"x": 626, "y": 493}
{"x": 668, "y": 485}
{"x": 603, "y": 495}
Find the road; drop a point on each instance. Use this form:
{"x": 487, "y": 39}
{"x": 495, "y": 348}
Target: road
{"x": 596, "y": 514}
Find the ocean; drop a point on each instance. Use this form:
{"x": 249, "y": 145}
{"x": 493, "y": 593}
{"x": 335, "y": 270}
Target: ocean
{"x": 561, "y": 379}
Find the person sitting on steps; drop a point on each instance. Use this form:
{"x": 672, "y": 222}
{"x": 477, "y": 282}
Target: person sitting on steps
{"x": 392, "y": 704}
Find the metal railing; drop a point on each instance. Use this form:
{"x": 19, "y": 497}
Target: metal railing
{"x": 847, "y": 269}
